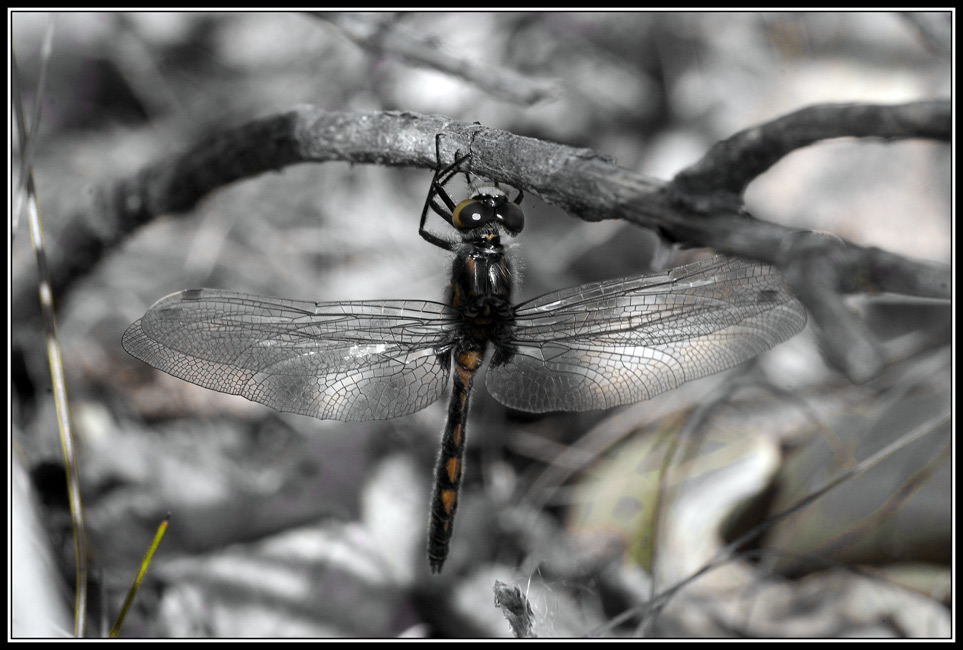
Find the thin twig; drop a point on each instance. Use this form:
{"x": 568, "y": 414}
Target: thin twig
{"x": 516, "y": 608}
{"x": 139, "y": 578}
{"x": 52, "y": 345}
{"x": 29, "y": 146}
{"x": 725, "y": 554}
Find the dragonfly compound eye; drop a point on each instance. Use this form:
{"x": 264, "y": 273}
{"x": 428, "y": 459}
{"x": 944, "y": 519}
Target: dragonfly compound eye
{"x": 471, "y": 213}
{"x": 511, "y": 217}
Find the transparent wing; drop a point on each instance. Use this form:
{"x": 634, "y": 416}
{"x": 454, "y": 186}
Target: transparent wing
{"x": 366, "y": 360}
{"x": 622, "y": 341}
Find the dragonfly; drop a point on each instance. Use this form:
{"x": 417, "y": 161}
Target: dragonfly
{"x": 594, "y": 346}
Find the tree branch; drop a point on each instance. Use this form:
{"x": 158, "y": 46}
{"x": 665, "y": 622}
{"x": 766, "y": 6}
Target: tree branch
{"x": 578, "y": 180}
{"x": 730, "y": 165}
{"x": 821, "y": 269}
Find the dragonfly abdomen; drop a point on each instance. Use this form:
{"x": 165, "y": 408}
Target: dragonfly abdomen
{"x": 481, "y": 295}
{"x": 448, "y": 470}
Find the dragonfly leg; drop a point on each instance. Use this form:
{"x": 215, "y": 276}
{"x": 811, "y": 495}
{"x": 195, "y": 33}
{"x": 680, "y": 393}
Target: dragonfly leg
{"x": 441, "y": 177}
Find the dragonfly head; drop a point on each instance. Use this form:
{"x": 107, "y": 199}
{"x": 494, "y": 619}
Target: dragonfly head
{"x": 488, "y": 208}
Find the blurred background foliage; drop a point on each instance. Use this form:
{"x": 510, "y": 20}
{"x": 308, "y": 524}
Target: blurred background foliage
{"x": 287, "y": 526}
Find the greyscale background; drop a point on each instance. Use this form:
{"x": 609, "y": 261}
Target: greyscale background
{"x": 285, "y": 526}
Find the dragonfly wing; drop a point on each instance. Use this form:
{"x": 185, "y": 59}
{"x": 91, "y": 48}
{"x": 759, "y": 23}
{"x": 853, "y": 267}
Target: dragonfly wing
{"x": 366, "y": 360}
{"x": 621, "y": 341}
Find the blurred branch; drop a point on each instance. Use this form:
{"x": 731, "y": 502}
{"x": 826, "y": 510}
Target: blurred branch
{"x": 579, "y": 181}
{"x": 820, "y": 269}
{"x": 27, "y": 137}
{"x": 730, "y": 165}
{"x": 650, "y": 609}
{"x": 380, "y": 34}
{"x": 933, "y": 28}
